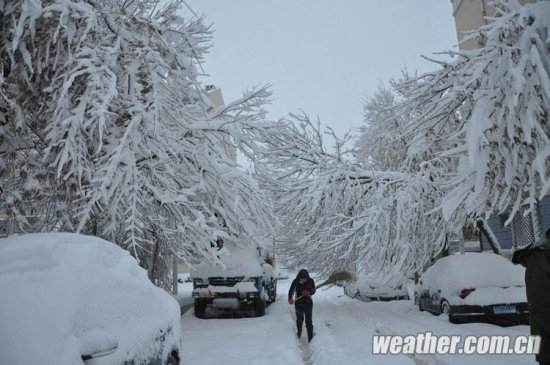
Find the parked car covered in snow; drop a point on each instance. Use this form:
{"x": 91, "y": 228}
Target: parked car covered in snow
{"x": 474, "y": 287}
{"x": 376, "y": 286}
{"x": 246, "y": 281}
{"x": 68, "y": 298}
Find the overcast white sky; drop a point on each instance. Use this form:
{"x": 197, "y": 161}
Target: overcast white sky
{"x": 322, "y": 56}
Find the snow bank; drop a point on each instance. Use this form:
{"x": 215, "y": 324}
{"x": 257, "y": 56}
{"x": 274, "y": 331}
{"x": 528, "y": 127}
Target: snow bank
{"x": 473, "y": 270}
{"x": 61, "y": 292}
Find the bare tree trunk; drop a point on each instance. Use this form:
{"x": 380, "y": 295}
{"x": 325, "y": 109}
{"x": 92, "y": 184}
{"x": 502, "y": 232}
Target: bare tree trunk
{"x": 11, "y": 225}
{"x": 154, "y": 263}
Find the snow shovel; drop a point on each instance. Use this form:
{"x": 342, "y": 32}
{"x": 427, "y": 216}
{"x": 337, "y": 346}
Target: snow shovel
{"x": 332, "y": 279}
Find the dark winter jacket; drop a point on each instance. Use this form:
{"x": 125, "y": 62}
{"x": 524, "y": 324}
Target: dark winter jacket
{"x": 297, "y": 288}
{"x": 537, "y": 282}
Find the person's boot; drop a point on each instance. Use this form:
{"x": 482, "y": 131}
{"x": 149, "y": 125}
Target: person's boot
{"x": 309, "y": 333}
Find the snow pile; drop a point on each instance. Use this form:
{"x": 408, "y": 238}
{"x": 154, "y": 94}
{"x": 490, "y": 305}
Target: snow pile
{"x": 62, "y": 293}
{"x": 237, "y": 261}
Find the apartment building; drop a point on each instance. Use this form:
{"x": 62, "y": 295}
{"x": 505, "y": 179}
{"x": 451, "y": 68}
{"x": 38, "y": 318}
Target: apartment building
{"x": 216, "y": 98}
{"x": 470, "y": 15}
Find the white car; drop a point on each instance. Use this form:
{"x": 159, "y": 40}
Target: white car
{"x": 68, "y": 299}
{"x": 375, "y": 286}
{"x": 246, "y": 282}
{"x": 474, "y": 287}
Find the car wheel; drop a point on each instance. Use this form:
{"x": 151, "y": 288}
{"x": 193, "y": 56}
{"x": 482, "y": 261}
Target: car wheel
{"x": 445, "y": 307}
{"x": 274, "y": 293}
{"x": 260, "y": 307}
{"x": 200, "y": 308}
{"x": 271, "y": 293}
{"x": 418, "y": 302}
{"x": 173, "y": 358}
{"x": 446, "y": 310}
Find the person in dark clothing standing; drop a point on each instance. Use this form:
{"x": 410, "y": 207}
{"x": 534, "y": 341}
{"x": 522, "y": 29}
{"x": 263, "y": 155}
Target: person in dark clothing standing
{"x": 304, "y": 287}
{"x": 536, "y": 259}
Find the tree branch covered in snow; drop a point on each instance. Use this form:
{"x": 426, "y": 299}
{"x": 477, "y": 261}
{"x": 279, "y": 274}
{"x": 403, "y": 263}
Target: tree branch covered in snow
{"x": 382, "y": 143}
{"x": 107, "y": 130}
{"x": 489, "y": 109}
{"x": 335, "y": 214}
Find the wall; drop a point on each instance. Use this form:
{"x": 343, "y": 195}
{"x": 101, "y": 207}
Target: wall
{"x": 505, "y": 236}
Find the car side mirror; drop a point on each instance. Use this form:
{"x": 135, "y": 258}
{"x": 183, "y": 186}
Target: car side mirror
{"x": 94, "y": 344}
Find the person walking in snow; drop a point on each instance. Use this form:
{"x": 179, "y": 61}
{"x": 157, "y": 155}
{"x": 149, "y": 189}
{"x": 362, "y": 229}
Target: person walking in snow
{"x": 304, "y": 287}
{"x": 536, "y": 259}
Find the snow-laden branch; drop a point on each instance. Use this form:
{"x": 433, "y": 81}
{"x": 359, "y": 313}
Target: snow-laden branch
{"x": 336, "y": 214}
{"x": 119, "y": 140}
{"x": 488, "y": 110}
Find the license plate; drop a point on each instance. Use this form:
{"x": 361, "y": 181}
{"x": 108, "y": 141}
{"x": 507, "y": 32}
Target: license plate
{"x": 500, "y": 309}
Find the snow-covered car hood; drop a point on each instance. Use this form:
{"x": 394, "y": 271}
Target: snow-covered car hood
{"x": 63, "y": 292}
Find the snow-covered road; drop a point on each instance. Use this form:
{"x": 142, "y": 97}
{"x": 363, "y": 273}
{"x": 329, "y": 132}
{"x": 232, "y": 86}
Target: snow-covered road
{"x": 343, "y": 334}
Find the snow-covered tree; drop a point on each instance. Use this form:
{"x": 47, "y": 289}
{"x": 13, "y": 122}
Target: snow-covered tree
{"x": 382, "y": 142}
{"x": 105, "y": 129}
{"x": 490, "y": 106}
{"x": 336, "y": 214}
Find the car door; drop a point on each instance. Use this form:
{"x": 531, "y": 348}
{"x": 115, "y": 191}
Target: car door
{"x": 424, "y": 298}
{"x": 435, "y": 296}
{"x": 429, "y": 299}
